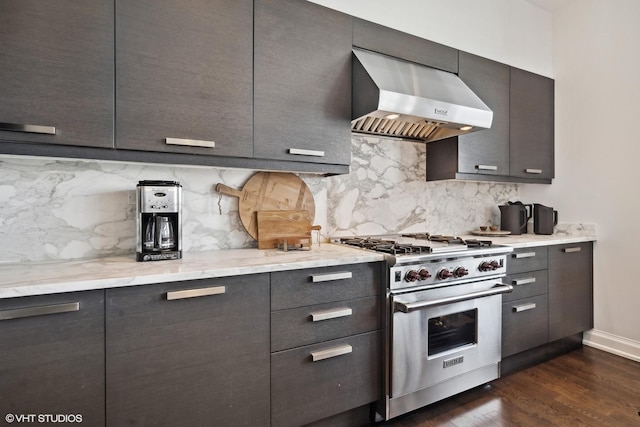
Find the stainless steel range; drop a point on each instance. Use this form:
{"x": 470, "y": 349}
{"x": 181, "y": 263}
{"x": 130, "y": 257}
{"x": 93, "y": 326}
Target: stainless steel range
{"x": 444, "y": 316}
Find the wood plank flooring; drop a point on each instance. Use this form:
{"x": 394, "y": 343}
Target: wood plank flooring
{"x": 586, "y": 387}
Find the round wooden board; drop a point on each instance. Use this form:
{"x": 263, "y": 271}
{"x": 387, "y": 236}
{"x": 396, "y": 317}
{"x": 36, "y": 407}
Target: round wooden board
{"x": 491, "y": 233}
{"x": 270, "y": 191}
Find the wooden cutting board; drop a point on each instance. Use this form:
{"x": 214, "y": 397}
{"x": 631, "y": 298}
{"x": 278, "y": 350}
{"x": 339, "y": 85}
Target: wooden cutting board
{"x": 270, "y": 191}
{"x": 289, "y": 225}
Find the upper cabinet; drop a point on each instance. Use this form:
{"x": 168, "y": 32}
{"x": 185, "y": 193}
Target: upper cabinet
{"x": 57, "y": 72}
{"x": 302, "y": 82}
{"x": 385, "y": 40}
{"x": 184, "y": 76}
{"x": 519, "y": 145}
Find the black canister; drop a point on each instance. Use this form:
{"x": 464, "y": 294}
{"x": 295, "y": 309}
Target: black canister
{"x": 544, "y": 218}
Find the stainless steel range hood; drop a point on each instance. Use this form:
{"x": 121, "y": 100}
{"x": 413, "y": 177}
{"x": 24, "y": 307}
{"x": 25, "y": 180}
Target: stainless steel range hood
{"x": 402, "y": 99}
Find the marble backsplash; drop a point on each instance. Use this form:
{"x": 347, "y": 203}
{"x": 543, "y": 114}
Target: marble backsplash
{"x": 64, "y": 209}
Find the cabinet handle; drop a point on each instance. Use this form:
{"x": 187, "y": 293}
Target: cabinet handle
{"x": 301, "y": 152}
{"x": 18, "y": 127}
{"x": 524, "y": 281}
{"x": 332, "y": 276}
{"x": 42, "y": 310}
{"x": 534, "y": 171}
{"x": 317, "y": 316}
{"x": 331, "y": 352}
{"x": 570, "y": 250}
{"x": 524, "y": 307}
{"x": 190, "y": 142}
{"x": 194, "y": 293}
{"x": 524, "y": 255}
{"x": 487, "y": 167}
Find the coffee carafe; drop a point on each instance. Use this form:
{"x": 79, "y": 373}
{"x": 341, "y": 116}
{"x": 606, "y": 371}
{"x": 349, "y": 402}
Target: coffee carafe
{"x": 158, "y": 222}
{"x": 544, "y": 218}
{"x": 514, "y": 217}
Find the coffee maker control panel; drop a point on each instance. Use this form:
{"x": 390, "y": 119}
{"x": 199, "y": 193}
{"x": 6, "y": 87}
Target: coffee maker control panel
{"x": 159, "y": 199}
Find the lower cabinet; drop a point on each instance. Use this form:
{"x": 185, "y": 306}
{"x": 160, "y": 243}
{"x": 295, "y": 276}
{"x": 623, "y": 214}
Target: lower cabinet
{"x": 52, "y": 358}
{"x": 189, "y": 353}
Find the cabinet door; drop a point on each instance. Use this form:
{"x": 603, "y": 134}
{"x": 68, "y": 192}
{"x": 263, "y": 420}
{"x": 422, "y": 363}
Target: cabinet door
{"x": 570, "y": 289}
{"x": 52, "y": 356}
{"x": 184, "y": 76}
{"x": 302, "y": 82}
{"x": 57, "y": 72}
{"x": 486, "y": 151}
{"x": 192, "y": 352}
{"x": 524, "y": 324}
{"x": 532, "y": 125}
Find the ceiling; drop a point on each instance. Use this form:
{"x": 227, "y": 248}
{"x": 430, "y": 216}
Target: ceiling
{"x": 550, "y": 5}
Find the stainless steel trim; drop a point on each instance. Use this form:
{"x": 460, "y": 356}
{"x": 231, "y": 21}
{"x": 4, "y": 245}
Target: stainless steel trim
{"x": 301, "y": 152}
{"x": 487, "y": 167}
{"x": 523, "y": 281}
{"x": 190, "y": 142}
{"x": 317, "y": 316}
{"x": 332, "y": 276}
{"x": 419, "y": 305}
{"x": 19, "y": 127}
{"x": 331, "y": 352}
{"x": 194, "y": 293}
{"x": 42, "y": 310}
{"x": 570, "y": 250}
{"x": 534, "y": 171}
{"x": 524, "y": 255}
{"x": 524, "y": 307}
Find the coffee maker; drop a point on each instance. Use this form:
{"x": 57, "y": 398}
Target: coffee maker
{"x": 158, "y": 222}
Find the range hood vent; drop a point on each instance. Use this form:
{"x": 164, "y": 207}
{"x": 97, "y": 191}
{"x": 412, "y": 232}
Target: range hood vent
{"x": 402, "y": 99}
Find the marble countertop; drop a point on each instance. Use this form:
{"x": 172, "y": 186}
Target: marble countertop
{"x": 39, "y": 278}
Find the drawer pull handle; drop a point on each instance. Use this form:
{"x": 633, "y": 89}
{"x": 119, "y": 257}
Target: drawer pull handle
{"x": 331, "y": 352}
{"x": 194, "y": 293}
{"x": 524, "y": 255}
{"x": 190, "y": 142}
{"x": 524, "y": 307}
{"x": 332, "y": 276}
{"x": 301, "y": 152}
{"x": 524, "y": 281}
{"x": 18, "y": 127}
{"x": 333, "y": 313}
{"x": 534, "y": 171}
{"x": 18, "y": 313}
{"x": 487, "y": 167}
{"x": 570, "y": 250}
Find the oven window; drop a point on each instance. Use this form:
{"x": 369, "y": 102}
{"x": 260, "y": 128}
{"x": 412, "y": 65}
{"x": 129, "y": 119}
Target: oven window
{"x": 452, "y": 331}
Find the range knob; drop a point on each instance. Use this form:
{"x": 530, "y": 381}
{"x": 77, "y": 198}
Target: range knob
{"x": 411, "y": 276}
{"x": 424, "y": 274}
{"x": 460, "y": 272}
{"x": 444, "y": 274}
{"x": 489, "y": 265}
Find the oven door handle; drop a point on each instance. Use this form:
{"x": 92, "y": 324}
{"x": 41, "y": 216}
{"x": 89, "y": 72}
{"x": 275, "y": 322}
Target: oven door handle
{"x": 502, "y": 288}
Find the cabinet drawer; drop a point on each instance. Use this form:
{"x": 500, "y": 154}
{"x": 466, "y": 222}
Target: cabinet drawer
{"x": 298, "y": 288}
{"x": 307, "y": 325}
{"x": 527, "y": 259}
{"x": 526, "y": 285}
{"x": 345, "y": 375}
{"x": 524, "y": 324}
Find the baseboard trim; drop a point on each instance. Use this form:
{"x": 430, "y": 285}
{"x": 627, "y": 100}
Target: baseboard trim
{"x": 612, "y": 344}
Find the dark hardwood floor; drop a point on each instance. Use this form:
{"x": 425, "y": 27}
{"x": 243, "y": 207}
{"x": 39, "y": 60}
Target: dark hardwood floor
{"x": 586, "y": 387}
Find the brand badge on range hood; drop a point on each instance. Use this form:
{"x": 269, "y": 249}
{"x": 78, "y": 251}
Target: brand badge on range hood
{"x": 398, "y": 98}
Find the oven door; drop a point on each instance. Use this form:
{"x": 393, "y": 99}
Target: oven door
{"x": 438, "y": 334}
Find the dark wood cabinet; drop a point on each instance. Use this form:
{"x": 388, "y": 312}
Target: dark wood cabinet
{"x": 570, "y": 289}
{"x": 52, "y": 356}
{"x": 532, "y": 125}
{"x": 483, "y": 152}
{"x": 302, "y": 84}
{"x": 195, "y": 352}
{"x": 57, "y": 72}
{"x": 184, "y": 76}
{"x": 326, "y": 342}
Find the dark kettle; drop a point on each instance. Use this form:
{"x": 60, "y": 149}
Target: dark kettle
{"x": 544, "y": 218}
{"x": 514, "y": 217}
